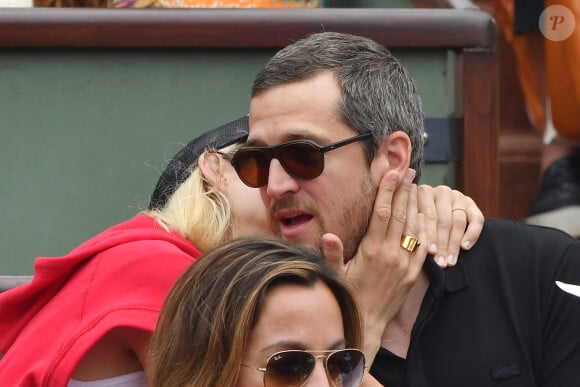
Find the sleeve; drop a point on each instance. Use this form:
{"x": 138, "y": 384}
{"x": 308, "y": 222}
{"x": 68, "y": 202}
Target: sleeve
{"x": 124, "y": 286}
{"x": 561, "y": 320}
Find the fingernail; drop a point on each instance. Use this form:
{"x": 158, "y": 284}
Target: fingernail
{"x": 411, "y": 173}
{"x": 433, "y": 248}
{"x": 466, "y": 244}
{"x": 451, "y": 259}
{"x": 440, "y": 260}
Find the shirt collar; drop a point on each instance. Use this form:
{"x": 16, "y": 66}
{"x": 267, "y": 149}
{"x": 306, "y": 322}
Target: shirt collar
{"x": 450, "y": 280}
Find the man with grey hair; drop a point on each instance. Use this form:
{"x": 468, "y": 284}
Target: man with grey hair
{"x": 333, "y": 117}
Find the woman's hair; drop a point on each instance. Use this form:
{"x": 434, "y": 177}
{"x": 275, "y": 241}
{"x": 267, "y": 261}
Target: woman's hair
{"x": 207, "y": 318}
{"x": 197, "y": 210}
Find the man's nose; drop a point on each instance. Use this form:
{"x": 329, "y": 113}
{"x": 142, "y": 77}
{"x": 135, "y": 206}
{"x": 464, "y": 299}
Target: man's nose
{"x": 280, "y": 183}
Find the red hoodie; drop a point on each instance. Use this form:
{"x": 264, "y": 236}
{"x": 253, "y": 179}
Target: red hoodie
{"x": 117, "y": 278}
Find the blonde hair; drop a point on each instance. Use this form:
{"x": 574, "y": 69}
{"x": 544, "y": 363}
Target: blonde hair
{"x": 197, "y": 210}
{"x": 207, "y": 317}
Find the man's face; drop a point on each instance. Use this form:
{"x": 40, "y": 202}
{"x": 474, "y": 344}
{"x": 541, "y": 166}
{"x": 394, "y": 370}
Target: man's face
{"x": 340, "y": 199}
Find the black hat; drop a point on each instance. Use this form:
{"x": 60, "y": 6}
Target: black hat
{"x": 178, "y": 169}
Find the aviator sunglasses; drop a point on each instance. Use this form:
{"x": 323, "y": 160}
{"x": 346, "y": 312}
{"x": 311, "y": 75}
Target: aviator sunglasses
{"x": 292, "y": 368}
{"x": 301, "y": 159}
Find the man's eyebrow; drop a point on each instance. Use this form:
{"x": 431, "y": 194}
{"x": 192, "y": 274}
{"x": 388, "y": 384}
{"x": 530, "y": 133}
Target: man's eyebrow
{"x": 253, "y": 142}
{"x": 298, "y": 135}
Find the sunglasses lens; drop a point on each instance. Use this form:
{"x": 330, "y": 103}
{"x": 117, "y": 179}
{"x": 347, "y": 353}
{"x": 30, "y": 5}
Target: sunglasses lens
{"x": 302, "y": 160}
{"x": 252, "y": 165}
{"x": 346, "y": 367}
{"x": 291, "y": 368}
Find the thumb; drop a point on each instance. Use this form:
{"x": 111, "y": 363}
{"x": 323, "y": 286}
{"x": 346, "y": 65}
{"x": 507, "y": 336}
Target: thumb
{"x": 332, "y": 252}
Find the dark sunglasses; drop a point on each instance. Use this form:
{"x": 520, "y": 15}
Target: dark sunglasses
{"x": 301, "y": 159}
{"x": 292, "y": 368}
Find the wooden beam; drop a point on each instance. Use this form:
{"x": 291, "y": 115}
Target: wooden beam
{"x": 82, "y": 27}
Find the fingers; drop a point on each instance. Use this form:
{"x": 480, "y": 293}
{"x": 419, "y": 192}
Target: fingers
{"x": 417, "y": 227}
{"x": 453, "y": 221}
{"x": 436, "y": 203}
{"x": 332, "y": 251}
{"x": 382, "y": 209}
{"x": 465, "y": 212}
{"x": 455, "y": 237}
{"x": 426, "y": 206}
{"x": 401, "y": 200}
{"x": 411, "y": 227}
{"x": 418, "y": 257}
{"x": 475, "y": 221}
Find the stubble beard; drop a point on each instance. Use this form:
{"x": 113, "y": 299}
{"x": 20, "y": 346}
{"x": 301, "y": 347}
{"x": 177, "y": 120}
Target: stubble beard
{"x": 352, "y": 220}
{"x": 356, "y": 216}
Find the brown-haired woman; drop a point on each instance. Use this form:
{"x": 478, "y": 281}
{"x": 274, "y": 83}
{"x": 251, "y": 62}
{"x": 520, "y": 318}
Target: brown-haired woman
{"x": 258, "y": 312}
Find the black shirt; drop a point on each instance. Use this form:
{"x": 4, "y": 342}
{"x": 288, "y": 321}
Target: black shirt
{"x": 497, "y": 318}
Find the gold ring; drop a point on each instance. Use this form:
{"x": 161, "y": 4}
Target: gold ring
{"x": 409, "y": 243}
{"x": 459, "y": 209}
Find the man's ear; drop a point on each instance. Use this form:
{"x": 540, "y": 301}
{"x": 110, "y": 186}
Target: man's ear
{"x": 393, "y": 153}
{"x": 210, "y": 165}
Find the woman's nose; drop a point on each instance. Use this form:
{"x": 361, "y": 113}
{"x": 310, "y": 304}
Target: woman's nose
{"x": 319, "y": 376}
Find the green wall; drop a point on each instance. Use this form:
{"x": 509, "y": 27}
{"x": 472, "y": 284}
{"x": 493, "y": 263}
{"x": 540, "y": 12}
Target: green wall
{"x": 85, "y": 134}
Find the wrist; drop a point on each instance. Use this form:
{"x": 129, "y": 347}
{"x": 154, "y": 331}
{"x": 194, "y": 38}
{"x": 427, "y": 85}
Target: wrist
{"x": 372, "y": 337}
